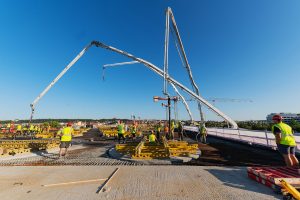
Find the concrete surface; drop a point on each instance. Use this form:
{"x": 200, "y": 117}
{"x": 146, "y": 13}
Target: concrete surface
{"x": 131, "y": 182}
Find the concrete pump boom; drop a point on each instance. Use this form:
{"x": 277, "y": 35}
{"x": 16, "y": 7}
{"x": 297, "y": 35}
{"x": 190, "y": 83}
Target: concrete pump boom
{"x": 147, "y": 64}
{"x": 169, "y": 14}
{"x": 174, "y": 87}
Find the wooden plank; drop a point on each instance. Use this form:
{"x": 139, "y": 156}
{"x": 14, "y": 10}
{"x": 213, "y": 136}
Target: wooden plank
{"x": 73, "y": 182}
{"x": 100, "y": 189}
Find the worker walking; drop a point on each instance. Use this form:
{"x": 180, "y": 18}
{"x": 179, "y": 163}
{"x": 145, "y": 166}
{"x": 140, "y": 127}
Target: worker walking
{"x": 285, "y": 141}
{"x": 121, "y": 131}
{"x": 65, "y": 139}
{"x": 203, "y": 133}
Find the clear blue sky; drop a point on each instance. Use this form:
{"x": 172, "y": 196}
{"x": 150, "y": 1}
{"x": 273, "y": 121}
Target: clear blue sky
{"x": 237, "y": 49}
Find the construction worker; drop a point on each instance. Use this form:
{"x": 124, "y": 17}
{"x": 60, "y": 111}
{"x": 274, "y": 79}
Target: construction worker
{"x": 19, "y": 129}
{"x": 65, "y": 139}
{"x": 158, "y": 130}
{"x": 8, "y": 127}
{"x": 180, "y": 130}
{"x": 31, "y": 128}
{"x": 172, "y": 129}
{"x": 285, "y": 141}
{"x": 133, "y": 130}
{"x": 121, "y": 131}
{"x": 166, "y": 130}
{"x": 152, "y": 138}
{"x": 203, "y": 133}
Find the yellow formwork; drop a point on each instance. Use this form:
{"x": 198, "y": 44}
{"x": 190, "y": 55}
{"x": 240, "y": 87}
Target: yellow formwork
{"x": 145, "y": 150}
{"x": 24, "y": 146}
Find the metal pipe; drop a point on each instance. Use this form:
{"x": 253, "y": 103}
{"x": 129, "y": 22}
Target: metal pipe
{"x": 195, "y": 87}
{"x": 169, "y": 79}
{"x": 147, "y": 64}
{"x": 166, "y": 53}
{"x": 183, "y": 101}
{"x": 174, "y": 87}
{"x": 32, "y": 105}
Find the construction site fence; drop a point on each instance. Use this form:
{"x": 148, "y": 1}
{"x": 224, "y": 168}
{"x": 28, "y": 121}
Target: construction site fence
{"x": 251, "y": 137}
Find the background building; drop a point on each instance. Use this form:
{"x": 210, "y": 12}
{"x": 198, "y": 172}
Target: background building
{"x": 287, "y": 117}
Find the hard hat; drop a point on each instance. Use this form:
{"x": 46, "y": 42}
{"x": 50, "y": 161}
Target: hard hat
{"x": 277, "y": 118}
{"x": 69, "y": 124}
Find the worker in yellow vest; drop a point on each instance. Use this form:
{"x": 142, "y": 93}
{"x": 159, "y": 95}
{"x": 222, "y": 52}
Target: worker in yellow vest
{"x": 285, "y": 141}
{"x": 203, "y": 133}
{"x": 65, "y": 139}
{"x": 152, "y": 138}
{"x": 158, "y": 130}
{"x": 172, "y": 129}
{"x": 8, "y": 127}
{"x": 133, "y": 130}
{"x": 31, "y": 128}
{"x": 121, "y": 131}
{"x": 19, "y": 129}
{"x": 180, "y": 130}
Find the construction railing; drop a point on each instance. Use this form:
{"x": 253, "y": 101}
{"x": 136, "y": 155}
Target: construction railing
{"x": 251, "y": 137}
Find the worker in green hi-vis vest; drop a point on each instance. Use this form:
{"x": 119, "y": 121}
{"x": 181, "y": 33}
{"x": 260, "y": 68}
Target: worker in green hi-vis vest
{"x": 285, "y": 141}
{"x": 203, "y": 133}
{"x": 65, "y": 139}
{"x": 121, "y": 131}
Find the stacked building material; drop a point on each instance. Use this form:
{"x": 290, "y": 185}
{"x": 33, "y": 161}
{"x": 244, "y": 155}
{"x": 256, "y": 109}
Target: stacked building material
{"x": 271, "y": 176}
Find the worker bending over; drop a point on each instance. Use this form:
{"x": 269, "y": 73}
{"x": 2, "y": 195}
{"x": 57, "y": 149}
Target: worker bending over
{"x": 152, "y": 138}
{"x": 65, "y": 139}
{"x": 285, "y": 141}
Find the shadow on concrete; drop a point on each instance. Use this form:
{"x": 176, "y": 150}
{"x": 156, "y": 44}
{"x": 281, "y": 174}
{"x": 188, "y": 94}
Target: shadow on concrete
{"x": 237, "y": 178}
{"x": 227, "y": 153}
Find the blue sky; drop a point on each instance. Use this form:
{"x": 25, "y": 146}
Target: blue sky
{"x": 237, "y": 49}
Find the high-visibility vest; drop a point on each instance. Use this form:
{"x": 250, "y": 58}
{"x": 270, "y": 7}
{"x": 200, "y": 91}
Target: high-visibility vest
{"x": 121, "y": 129}
{"x": 31, "y": 128}
{"x": 66, "y": 134}
{"x": 152, "y": 138}
{"x": 172, "y": 126}
{"x": 158, "y": 128}
{"x": 19, "y": 127}
{"x": 287, "y": 137}
{"x": 133, "y": 129}
{"x": 202, "y": 130}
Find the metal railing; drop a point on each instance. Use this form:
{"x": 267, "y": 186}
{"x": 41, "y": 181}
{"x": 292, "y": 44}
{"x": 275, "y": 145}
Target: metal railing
{"x": 251, "y": 137}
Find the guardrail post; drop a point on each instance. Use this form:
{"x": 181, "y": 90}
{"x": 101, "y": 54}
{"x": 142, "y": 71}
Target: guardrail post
{"x": 266, "y": 133}
{"x": 239, "y": 133}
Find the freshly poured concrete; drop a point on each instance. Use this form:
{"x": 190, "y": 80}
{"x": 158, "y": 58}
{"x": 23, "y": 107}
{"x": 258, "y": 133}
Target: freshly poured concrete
{"x": 131, "y": 182}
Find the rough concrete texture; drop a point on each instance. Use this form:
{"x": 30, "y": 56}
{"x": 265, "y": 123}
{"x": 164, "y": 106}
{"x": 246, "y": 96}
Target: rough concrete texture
{"x": 131, "y": 182}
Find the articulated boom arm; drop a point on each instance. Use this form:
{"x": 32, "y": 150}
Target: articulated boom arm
{"x": 147, "y": 64}
{"x": 174, "y": 87}
{"x": 169, "y": 14}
